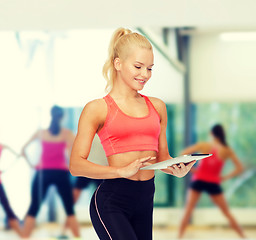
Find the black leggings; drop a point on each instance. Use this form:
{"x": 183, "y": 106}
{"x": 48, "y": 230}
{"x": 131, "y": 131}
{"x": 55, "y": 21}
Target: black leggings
{"x": 41, "y": 183}
{"x": 122, "y": 209}
{"x": 203, "y": 186}
{"x": 6, "y": 206}
{"x": 84, "y": 182}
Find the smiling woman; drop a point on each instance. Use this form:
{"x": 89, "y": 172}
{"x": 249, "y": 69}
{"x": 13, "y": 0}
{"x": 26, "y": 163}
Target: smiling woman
{"x": 137, "y": 67}
{"x": 120, "y": 48}
{"x": 132, "y": 130}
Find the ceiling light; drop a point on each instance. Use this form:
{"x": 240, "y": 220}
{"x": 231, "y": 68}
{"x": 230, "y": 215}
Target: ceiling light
{"x": 238, "y": 36}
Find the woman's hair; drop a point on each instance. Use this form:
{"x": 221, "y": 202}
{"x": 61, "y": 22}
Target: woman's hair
{"x": 122, "y": 41}
{"x": 57, "y": 114}
{"x": 218, "y": 132}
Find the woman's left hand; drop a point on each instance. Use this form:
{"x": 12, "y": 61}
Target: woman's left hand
{"x": 179, "y": 170}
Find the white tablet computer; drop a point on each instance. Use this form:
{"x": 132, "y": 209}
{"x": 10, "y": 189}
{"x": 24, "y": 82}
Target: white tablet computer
{"x": 181, "y": 159}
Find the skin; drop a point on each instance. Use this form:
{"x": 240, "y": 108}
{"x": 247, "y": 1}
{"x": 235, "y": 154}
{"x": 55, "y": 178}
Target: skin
{"x": 13, "y": 223}
{"x": 76, "y": 195}
{"x": 130, "y": 71}
{"x": 68, "y": 137}
{"x": 225, "y": 153}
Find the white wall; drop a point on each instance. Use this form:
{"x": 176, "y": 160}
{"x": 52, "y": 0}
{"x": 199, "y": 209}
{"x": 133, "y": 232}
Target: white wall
{"x": 166, "y": 83}
{"x": 59, "y": 14}
{"x": 222, "y": 70}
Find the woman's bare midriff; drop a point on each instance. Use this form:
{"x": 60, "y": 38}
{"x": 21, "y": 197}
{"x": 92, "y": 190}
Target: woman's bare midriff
{"x": 124, "y": 159}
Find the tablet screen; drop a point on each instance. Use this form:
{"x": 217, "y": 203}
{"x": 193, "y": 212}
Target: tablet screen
{"x": 186, "y": 159}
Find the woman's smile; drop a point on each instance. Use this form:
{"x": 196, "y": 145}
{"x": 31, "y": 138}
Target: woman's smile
{"x": 140, "y": 81}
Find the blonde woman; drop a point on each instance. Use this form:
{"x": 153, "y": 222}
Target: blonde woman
{"x": 132, "y": 130}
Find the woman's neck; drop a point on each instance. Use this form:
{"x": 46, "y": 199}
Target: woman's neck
{"x": 123, "y": 91}
{"x": 216, "y": 142}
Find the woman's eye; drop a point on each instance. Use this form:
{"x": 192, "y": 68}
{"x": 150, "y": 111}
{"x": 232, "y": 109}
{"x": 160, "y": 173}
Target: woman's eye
{"x": 150, "y": 69}
{"x": 138, "y": 67}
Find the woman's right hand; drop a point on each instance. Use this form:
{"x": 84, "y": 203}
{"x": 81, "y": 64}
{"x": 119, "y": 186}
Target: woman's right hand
{"x": 134, "y": 167}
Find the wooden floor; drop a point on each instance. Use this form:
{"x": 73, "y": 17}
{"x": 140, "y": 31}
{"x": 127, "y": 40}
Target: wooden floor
{"x": 52, "y": 232}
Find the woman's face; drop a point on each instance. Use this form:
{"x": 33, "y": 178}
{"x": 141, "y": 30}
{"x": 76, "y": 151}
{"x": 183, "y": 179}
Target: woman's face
{"x": 136, "y": 69}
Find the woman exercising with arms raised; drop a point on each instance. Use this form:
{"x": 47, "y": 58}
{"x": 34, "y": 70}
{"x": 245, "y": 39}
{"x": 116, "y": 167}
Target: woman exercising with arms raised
{"x": 207, "y": 177}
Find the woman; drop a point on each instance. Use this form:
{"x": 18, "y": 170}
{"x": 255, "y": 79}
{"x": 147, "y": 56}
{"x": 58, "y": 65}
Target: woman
{"x": 207, "y": 177}
{"x": 52, "y": 170}
{"x": 12, "y": 219}
{"x": 80, "y": 184}
{"x": 132, "y": 130}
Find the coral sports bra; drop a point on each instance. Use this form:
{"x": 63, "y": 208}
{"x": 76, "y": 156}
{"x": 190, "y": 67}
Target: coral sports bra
{"x": 122, "y": 133}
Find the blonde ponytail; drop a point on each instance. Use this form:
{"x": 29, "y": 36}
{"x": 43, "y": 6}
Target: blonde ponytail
{"x": 122, "y": 39}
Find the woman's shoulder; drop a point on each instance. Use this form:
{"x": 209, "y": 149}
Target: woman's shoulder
{"x": 159, "y": 106}
{"x": 95, "y": 106}
{"x": 95, "y": 111}
{"x": 156, "y": 100}
{"x": 157, "y": 103}
{"x": 224, "y": 150}
{"x": 230, "y": 152}
{"x": 207, "y": 146}
{"x": 40, "y": 132}
{"x": 66, "y": 132}
{"x": 67, "y": 135}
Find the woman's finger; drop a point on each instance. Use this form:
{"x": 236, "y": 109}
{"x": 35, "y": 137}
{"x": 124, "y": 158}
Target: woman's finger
{"x": 170, "y": 170}
{"x": 190, "y": 165}
{"x": 141, "y": 160}
{"x": 145, "y": 164}
{"x": 146, "y": 159}
{"x": 175, "y": 166}
{"x": 182, "y": 165}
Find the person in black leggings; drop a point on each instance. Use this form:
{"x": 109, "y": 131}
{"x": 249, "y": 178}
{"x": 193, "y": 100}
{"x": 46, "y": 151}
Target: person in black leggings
{"x": 42, "y": 181}
{"x": 84, "y": 182}
{"x": 52, "y": 169}
{"x": 132, "y": 130}
{"x": 79, "y": 184}
{"x": 5, "y": 204}
{"x": 12, "y": 218}
{"x": 208, "y": 177}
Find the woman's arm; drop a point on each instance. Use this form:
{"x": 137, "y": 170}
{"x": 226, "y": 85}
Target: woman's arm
{"x": 238, "y": 166}
{"x": 163, "y": 153}
{"x": 23, "y": 150}
{"x": 92, "y": 117}
{"x": 3, "y": 146}
{"x": 8, "y": 148}
{"x": 198, "y": 147}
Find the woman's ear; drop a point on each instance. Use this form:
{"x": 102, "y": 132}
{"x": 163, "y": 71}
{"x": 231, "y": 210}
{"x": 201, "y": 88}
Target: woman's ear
{"x": 117, "y": 64}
